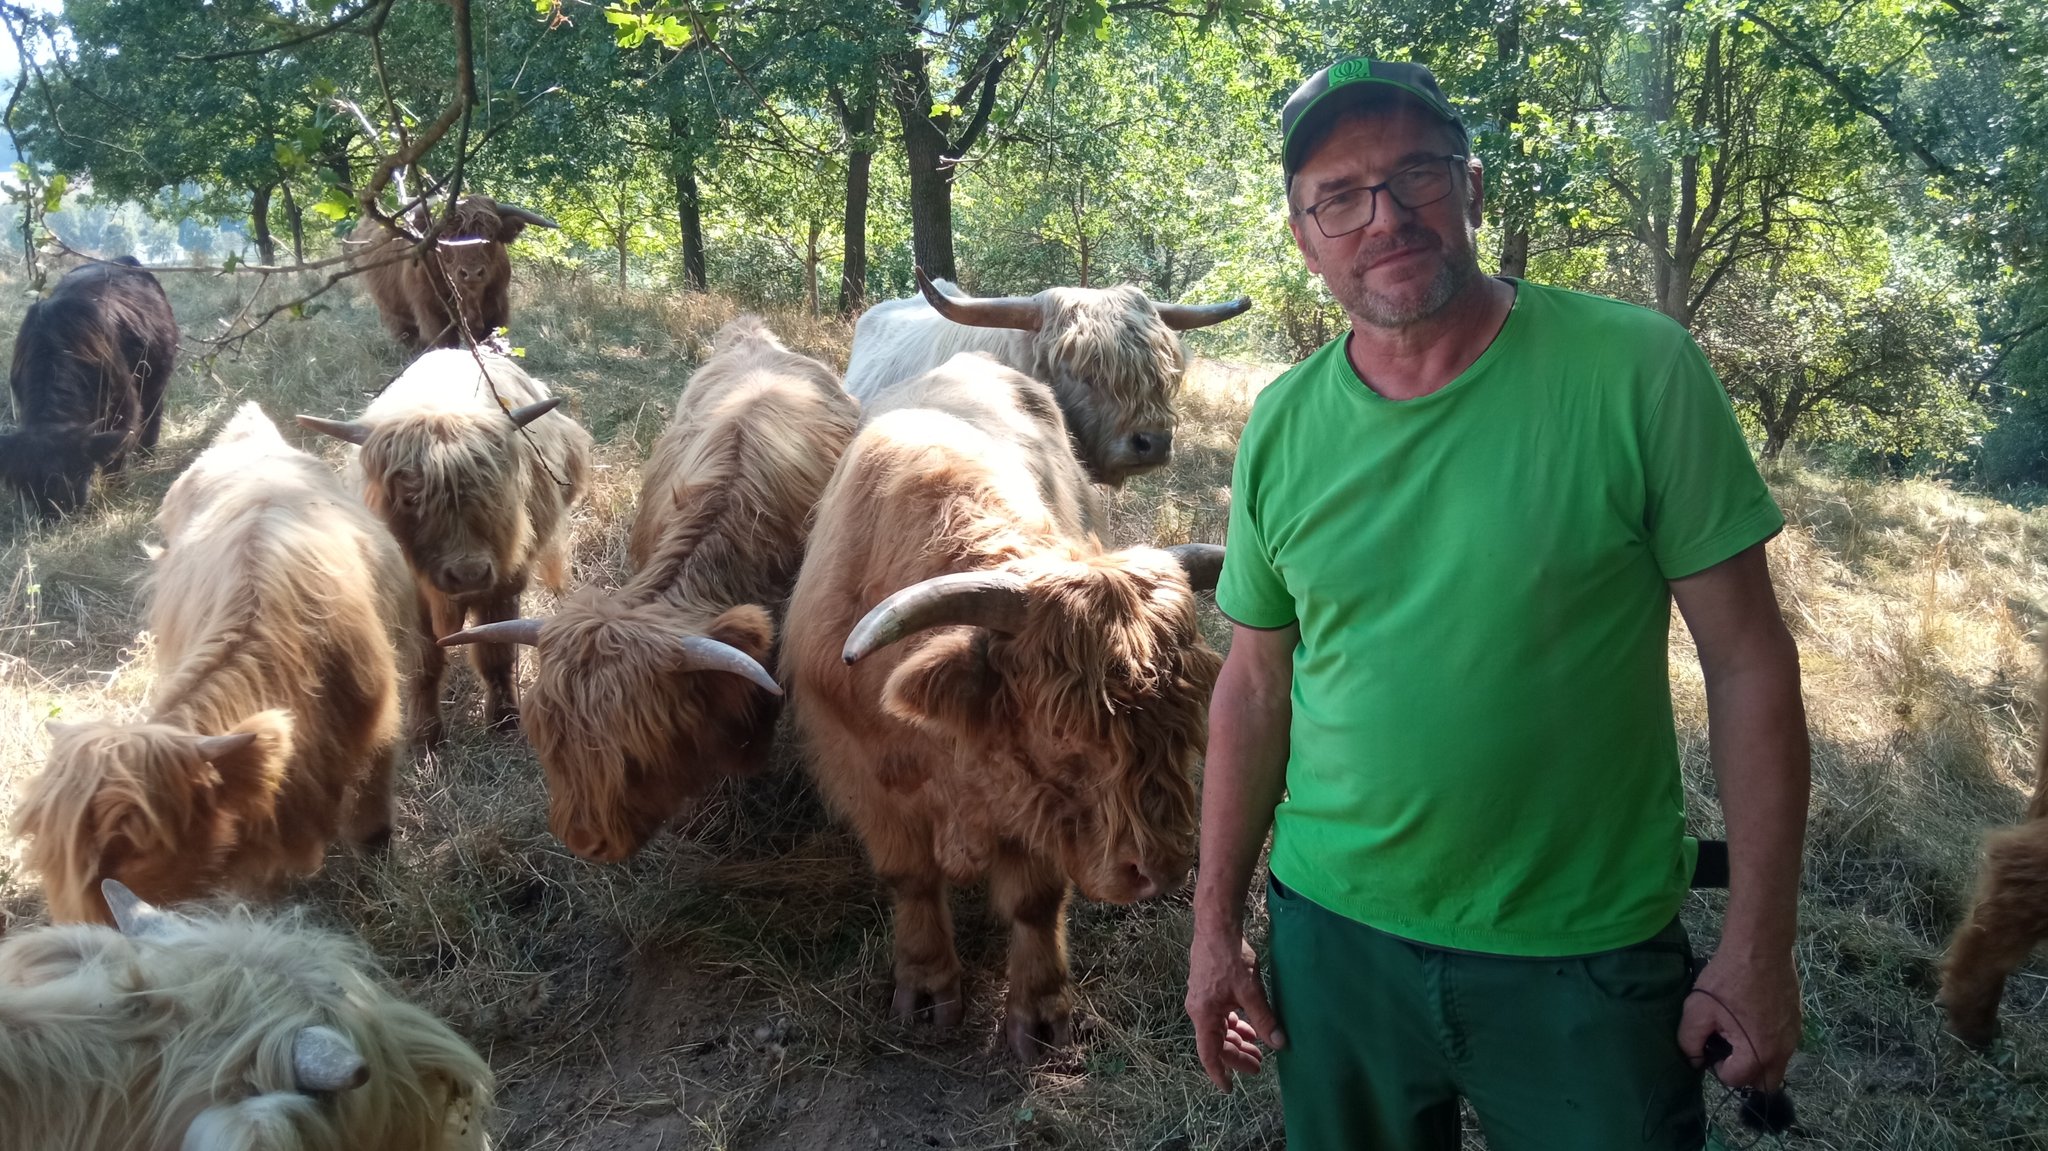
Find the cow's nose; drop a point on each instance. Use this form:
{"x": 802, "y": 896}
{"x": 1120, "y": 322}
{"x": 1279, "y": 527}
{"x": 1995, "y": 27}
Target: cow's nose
{"x": 1152, "y": 447}
{"x": 466, "y": 575}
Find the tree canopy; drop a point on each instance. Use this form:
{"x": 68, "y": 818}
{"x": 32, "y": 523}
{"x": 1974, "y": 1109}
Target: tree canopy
{"x": 1846, "y": 200}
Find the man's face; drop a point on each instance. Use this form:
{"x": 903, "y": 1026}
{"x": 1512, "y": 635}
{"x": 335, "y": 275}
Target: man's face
{"x": 1407, "y": 264}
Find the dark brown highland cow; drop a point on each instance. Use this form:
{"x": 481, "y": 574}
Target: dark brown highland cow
{"x": 90, "y": 366}
{"x": 468, "y": 275}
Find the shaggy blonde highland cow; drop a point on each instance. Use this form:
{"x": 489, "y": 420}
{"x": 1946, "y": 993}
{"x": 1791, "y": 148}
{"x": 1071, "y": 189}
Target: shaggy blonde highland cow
{"x": 281, "y": 610}
{"x": 467, "y": 462}
{"x": 221, "y": 1032}
{"x": 650, "y": 694}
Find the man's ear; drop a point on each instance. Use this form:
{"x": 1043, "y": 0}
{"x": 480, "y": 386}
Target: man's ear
{"x": 1475, "y": 173}
{"x": 946, "y": 686}
{"x": 1298, "y": 223}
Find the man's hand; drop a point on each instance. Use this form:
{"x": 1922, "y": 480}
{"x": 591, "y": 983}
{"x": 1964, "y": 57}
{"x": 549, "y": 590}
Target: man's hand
{"x": 1228, "y": 1005}
{"x": 1754, "y": 1005}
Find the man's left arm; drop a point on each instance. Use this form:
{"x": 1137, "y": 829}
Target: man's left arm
{"x": 1756, "y": 733}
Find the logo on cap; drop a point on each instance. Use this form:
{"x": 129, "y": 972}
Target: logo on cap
{"x": 1346, "y": 71}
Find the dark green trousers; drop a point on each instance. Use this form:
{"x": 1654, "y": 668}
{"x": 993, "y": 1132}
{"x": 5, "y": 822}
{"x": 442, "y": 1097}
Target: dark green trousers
{"x": 1385, "y": 1035}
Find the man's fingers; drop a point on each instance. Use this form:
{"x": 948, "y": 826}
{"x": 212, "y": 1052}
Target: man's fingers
{"x": 1209, "y": 1045}
{"x": 1259, "y": 1014}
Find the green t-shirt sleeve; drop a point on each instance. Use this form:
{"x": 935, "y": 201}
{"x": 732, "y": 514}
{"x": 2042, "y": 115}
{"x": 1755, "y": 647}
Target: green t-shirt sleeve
{"x": 1704, "y": 500}
{"x": 1250, "y": 590}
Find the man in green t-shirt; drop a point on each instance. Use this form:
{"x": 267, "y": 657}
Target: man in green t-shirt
{"x": 1455, "y": 536}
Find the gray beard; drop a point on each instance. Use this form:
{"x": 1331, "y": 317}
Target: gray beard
{"x": 1458, "y": 266}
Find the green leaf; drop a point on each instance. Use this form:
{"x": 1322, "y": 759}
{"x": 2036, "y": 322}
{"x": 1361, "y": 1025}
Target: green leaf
{"x": 53, "y": 196}
{"x": 335, "y": 205}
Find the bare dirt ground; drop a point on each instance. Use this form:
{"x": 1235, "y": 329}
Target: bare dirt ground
{"x": 727, "y": 987}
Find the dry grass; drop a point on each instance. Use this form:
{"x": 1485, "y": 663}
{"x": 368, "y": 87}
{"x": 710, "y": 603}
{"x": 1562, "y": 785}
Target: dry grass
{"x": 725, "y": 989}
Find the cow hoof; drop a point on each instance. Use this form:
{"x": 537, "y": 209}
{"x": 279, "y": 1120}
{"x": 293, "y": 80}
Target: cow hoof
{"x": 1975, "y": 1036}
{"x": 377, "y": 842}
{"x": 1033, "y": 1037}
{"x": 505, "y": 718}
{"x": 944, "y": 1007}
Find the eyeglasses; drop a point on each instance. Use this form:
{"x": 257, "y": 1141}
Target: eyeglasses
{"x": 1410, "y": 188}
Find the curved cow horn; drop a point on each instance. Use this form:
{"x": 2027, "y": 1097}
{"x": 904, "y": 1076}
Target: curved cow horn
{"x": 323, "y": 1059}
{"x": 1020, "y": 312}
{"x": 136, "y": 918}
{"x": 526, "y": 631}
{"x": 340, "y": 429}
{"x": 994, "y": 600}
{"x": 527, "y": 214}
{"x": 526, "y": 414}
{"x": 702, "y": 653}
{"x": 1181, "y": 317}
{"x": 212, "y": 747}
{"x": 1203, "y": 564}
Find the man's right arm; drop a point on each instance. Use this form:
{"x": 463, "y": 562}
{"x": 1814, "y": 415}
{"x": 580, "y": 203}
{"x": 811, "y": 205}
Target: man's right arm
{"x": 1242, "y": 778}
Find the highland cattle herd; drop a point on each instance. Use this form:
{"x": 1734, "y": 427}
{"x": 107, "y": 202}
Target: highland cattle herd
{"x": 914, "y": 567}
{"x": 913, "y": 563}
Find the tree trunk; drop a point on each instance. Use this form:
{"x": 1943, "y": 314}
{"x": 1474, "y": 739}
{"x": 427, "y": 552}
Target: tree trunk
{"x": 811, "y": 267}
{"x": 931, "y": 191}
{"x": 1514, "y": 240}
{"x": 859, "y": 122}
{"x": 259, "y": 220}
{"x": 853, "y": 269}
{"x": 689, "y": 207}
{"x": 297, "y": 218}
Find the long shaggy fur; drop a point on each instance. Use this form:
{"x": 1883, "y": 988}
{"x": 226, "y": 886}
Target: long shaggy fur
{"x": 625, "y": 735}
{"x": 458, "y": 294}
{"x": 279, "y": 607}
{"x": 478, "y": 505}
{"x": 2007, "y": 918}
{"x": 1062, "y": 753}
{"x": 183, "y": 1040}
{"x": 1113, "y": 364}
{"x": 91, "y": 363}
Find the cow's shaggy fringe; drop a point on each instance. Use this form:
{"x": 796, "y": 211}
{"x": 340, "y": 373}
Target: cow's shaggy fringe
{"x": 625, "y": 733}
{"x": 111, "y": 1042}
{"x": 279, "y": 607}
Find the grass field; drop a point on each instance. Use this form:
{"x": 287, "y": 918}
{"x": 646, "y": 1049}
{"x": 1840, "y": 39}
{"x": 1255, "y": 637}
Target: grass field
{"x": 727, "y": 988}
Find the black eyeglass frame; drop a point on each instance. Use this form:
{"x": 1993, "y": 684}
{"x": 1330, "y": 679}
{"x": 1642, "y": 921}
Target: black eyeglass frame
{"x": 1373, "y": 192}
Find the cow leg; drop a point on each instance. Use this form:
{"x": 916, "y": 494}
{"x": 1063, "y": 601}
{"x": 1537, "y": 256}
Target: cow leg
{"x": 1030, "y": 892}
{"x": 370, "y": 821}
{"x": 438, "y": 617}
{"x": 2010, "y": 916}
{"x": 927, "y": 967}
{"x": 496, "y": 663}
{"x": 152, "y": 422}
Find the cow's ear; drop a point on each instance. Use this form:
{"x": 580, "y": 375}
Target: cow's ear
{"x": 747, "y": 627}
{"x": 273, "y": 1121}
{"x": 102, "y": 447}
{"x": 251, "y": 760}
{"x": 509, "y": 228}
{"x": 945, "y": 686}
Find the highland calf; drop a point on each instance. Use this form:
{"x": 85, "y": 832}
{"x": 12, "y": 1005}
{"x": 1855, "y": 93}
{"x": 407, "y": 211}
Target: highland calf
{"x": 1022, "y": 702}
{"x": 91, "y": 363}
{"x": 221, "y": 1032}
{"x": 1110, "y": 355}
{"x": 2007, "y": 918}
{"x": 463, "y": 460}
{"x": 280, "y": 610}
{"x": 455, "y": 295}
{"x": 648, "y": 695}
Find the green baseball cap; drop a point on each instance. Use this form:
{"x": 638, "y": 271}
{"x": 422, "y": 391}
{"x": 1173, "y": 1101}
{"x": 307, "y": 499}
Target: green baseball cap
{"x": 1346, "y": 84}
